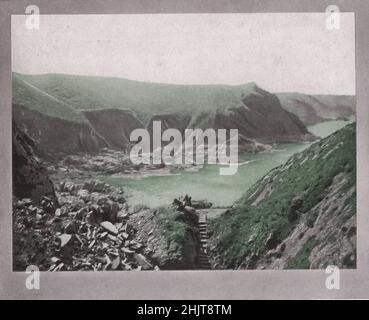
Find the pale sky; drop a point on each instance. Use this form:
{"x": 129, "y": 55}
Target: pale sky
{"x": 278, "y": 51}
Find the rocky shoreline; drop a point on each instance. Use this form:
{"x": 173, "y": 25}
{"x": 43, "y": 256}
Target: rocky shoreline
{"x": 90, "y": 226}
{"x": 88, "y": 229}
{"x": 109, "y": 162}
{"x": 69, "y": 219}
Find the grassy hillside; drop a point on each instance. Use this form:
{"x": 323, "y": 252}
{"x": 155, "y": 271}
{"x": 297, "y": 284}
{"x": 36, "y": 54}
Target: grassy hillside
{"x": 146, "y": 99}
{"x": 26, "y": 94}
{"x": 300, "y": 215}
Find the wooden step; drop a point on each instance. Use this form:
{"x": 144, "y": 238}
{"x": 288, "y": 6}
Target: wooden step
{"x": 202, "y": 261}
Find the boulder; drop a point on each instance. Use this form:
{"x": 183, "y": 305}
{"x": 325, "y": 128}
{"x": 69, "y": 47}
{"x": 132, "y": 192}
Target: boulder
{"x": 69, "y": 187}
{"x": 108, "y": 226}
{"x": 117, "y": 196}
{"x": 48, "y": 205}
{"x": 141, "y": 261}
{"x": 94, "y": 215}
{"x": 122, "y": 214}
{"x": 81, "y": 213}
{"x": 187, "y": 201}
{"x": 66, "y": 247}
{"x": 351, "y": 232}
{"x": 110, "y": 210}
{"x": 61, "y": 186}
{"x": 190, "y": 210}
{"x": 272, "y": 241}
{"x": 293, "y": 212}
{"x": 84, "y": 195}
{"x": 115, "y": 263}
{"x": 70, "y": 227}
{"x": 65, "y": 239}
{"x": 297, "y": 203}
{"x": 94, "y": 186}
{"x": 201, "y": 204}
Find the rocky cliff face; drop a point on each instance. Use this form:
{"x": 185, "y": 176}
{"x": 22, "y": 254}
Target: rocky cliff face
{"x": 312, "y": 109}
{"x": 114, "y": 125}
{"x": 301, "y": 215}
{"x": 170, "y": 237}
{"x": 55, "y": 137}
{"x": 260, "y": 117}
{"x": 30, "y": 179}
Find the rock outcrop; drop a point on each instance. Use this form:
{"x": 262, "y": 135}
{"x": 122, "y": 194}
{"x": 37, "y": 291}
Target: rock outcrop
{"x": 30, "y": 179}
{"x": 56, "y": 137}
{"x": 170, "y": 238}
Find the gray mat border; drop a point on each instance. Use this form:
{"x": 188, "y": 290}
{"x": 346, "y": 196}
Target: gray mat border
{"x": 264, "y": 284}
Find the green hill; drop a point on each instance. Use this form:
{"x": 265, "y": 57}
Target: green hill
{"x": 28, "y": 95}
{"x": 146, "y": 99}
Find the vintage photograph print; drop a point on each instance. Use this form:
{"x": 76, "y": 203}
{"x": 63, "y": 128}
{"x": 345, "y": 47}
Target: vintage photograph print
{"x": 183, "y": 141}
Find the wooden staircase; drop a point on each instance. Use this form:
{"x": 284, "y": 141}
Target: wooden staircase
{"x": 203, "y": 258}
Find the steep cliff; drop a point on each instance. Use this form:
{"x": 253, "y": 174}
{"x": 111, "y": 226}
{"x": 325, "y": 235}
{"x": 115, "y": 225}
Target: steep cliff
{"x": 114, "y": 125}
{"x": 30, "y": 179}
{"x": 260, "y": 116}
{"x": 55, "y": 137}
{"x": 300, "y": 215}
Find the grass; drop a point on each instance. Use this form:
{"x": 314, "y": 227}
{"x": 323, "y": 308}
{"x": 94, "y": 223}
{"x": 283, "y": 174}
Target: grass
{"x": 30, "y": 248}
{"x": 27, "y": 96}
{"x": 145, "y": 99}
{"x": 307, "y": 175}
{"x": 301, "y": 259}
{"x": 176, "y": 231}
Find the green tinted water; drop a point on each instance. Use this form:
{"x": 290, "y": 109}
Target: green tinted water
{"x": 207, "y": 184}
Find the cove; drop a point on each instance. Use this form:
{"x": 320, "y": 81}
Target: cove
{"x": 206, "y": 183}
